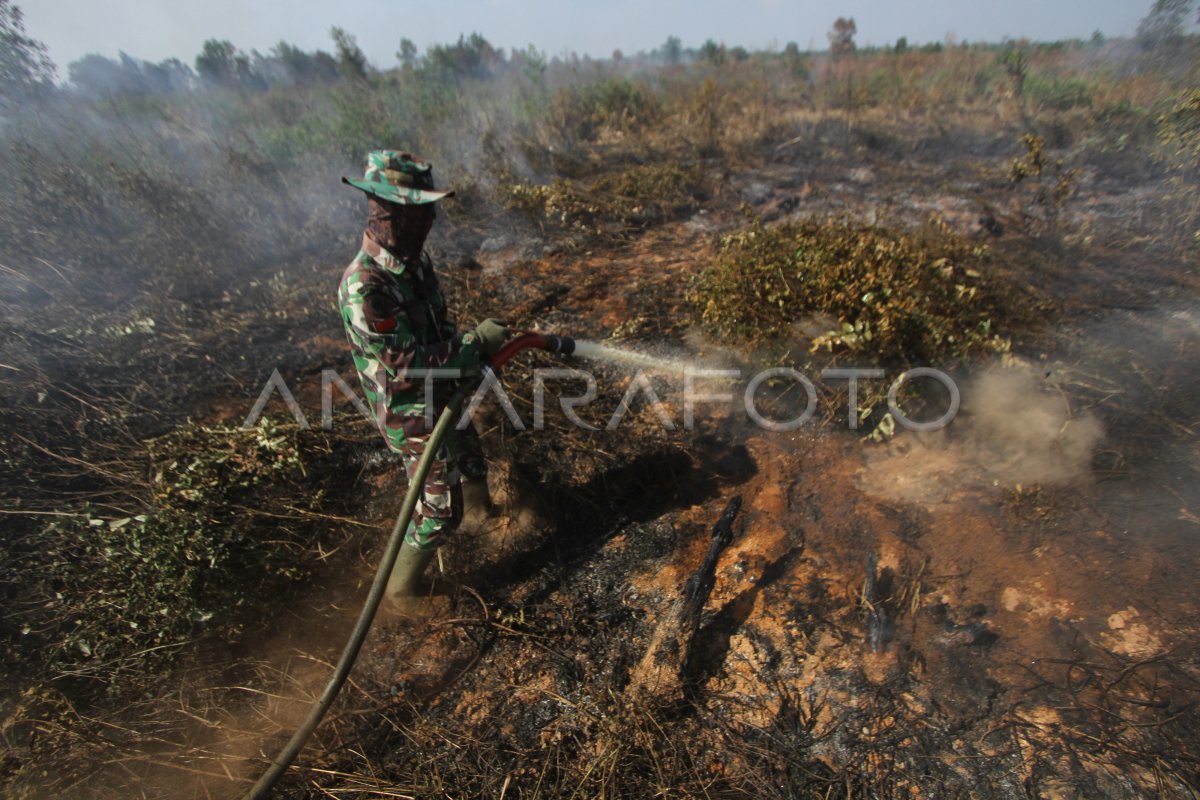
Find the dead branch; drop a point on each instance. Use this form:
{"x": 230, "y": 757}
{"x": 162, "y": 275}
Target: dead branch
{"x": 662, "y": 671}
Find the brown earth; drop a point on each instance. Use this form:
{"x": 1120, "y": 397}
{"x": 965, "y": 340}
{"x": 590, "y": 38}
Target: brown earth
{"x": 913, "y": 618}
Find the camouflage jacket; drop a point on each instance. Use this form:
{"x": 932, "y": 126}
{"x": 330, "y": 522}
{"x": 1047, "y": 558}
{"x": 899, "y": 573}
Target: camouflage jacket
{"x": 396, "y": 320}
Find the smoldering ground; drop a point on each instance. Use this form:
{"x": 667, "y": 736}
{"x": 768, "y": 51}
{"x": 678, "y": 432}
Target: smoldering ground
{"x": 1015, "y": 428}
{"x": 218, "y": 217}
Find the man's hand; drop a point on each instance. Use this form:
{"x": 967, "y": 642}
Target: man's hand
{"x": 491, "y": 333}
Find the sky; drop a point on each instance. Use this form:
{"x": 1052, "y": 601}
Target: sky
{"x": 155, "y": 30}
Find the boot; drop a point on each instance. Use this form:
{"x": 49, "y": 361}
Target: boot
{"x": 477, "y": 507}
{"x": 409, "y": 567}
{"x": 406, "y": 595}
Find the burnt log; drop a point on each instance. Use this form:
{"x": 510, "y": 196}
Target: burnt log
{"x": 662, "y": 672}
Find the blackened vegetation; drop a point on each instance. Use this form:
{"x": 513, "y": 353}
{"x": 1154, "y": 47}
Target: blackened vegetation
{"x": 160, "y": 255}
{"x": 700, "y": 584}
{"x": 1136, "y": 714}
{"x": 116, "y": 500}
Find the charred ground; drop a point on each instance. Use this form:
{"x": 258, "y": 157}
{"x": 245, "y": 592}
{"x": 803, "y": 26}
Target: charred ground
{"x": 906, "y": 617}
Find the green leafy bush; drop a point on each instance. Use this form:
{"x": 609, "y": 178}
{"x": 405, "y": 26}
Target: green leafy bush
{"x": 669, "y": 187}
{"x": 227, "y": 526}
{"x": 895, "y": 295}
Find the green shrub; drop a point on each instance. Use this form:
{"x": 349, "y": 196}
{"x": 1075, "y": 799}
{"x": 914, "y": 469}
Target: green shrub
{"x": 1179, "y": 130}
{"x": 670, "y": 187}
{"x": 118, "y": 596}
{"x": 582, "y": 110}
{"x": 1016, "y": 66}
{"x": 1179, "y": 136}
{"x": 1059, "y": 94}
{"x": 885, "y": 86}
{"x": 895, "y": 295}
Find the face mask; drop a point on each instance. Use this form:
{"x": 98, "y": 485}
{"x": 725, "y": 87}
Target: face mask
{"x": 400, "y": 228}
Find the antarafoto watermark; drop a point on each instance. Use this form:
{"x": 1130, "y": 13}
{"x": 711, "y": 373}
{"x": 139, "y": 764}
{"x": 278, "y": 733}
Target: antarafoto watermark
{"x": 698, "y": 387}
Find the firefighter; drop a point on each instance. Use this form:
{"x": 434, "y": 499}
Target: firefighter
{"x": 395, "y": 316}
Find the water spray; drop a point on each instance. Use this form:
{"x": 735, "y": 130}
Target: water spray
{"x": 581, "y": 348}
{"x": 601, "y": 352}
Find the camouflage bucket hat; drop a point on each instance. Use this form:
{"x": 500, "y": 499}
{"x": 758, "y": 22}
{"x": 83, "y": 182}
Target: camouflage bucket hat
{"x": 399, "y": 177}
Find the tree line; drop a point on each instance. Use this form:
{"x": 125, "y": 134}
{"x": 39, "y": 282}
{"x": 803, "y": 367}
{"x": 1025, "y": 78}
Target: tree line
{"x": 26, "y": 70}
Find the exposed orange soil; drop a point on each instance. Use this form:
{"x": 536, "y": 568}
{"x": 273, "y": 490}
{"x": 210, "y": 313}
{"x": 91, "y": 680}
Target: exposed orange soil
{"x": 991, "y": 592}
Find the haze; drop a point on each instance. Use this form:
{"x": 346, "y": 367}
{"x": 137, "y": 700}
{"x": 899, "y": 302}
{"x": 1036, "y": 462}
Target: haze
{"x": 155, "y": 31}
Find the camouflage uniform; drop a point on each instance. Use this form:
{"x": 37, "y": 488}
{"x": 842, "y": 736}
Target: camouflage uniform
{"x": 395, "y": 317}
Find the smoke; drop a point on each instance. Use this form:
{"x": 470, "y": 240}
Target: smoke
{"x": 1015, "y": 428}
{"x": 1022, "y": 429}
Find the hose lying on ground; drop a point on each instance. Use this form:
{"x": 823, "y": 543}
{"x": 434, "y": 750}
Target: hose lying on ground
{"x": 296, "y": 743}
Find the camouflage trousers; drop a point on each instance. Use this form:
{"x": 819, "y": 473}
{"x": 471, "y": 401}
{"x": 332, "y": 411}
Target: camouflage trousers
{"x": 439, "y": 509}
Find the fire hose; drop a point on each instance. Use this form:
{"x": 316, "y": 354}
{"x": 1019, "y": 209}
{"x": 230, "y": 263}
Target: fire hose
{"x": 555, "y": 344}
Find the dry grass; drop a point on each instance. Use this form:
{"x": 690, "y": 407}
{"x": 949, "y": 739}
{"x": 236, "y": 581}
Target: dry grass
{"x": 113, "y": 338}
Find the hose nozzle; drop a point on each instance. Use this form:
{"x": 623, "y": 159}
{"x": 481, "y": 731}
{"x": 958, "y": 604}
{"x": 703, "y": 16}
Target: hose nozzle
{"x": 563, "y": 345}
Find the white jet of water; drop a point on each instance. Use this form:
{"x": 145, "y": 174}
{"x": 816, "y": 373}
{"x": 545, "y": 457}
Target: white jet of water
{"x": 594, "y": 350}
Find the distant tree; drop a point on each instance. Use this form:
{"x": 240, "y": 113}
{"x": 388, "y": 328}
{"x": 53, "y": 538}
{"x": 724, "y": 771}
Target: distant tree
{"x": 1164, "y": 24}
{"x": 407, "y": 54}
{"x": 247, "y": 77}
{"x": 712, "y": 52}
{"x": 25, "y": 67}
{"x": 841, "y": 38}
{"x": 739, "y": 53}
{"x": 490, "y": 58}
{"x": 533, "y": 62}
{"x": 168, "y": 76}
{"x": 134, "y": 76}
{"x": 672, "y": 50}
{"x": 901, "y": 45}
{"x": 325, "y": 66}
{"x": 617, "y": 55}
{"x": 271, "y": 68}
{"x": 470, "y": 57}
{"x": 351, "y": 61}
{"x": 222, "y": 64}
{"x": 795, "y": 62}
{"x": 1098, "y": 38}
{"x": 93, "y": 74}
{"x": 292, "y": 64}
{"x": 301, "y": 67}
{"x": 217, "y": 62}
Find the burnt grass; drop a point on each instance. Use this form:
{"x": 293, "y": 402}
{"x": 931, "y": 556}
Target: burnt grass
{"x": 532, "y": 684}
{"x": 816, "y": 671}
